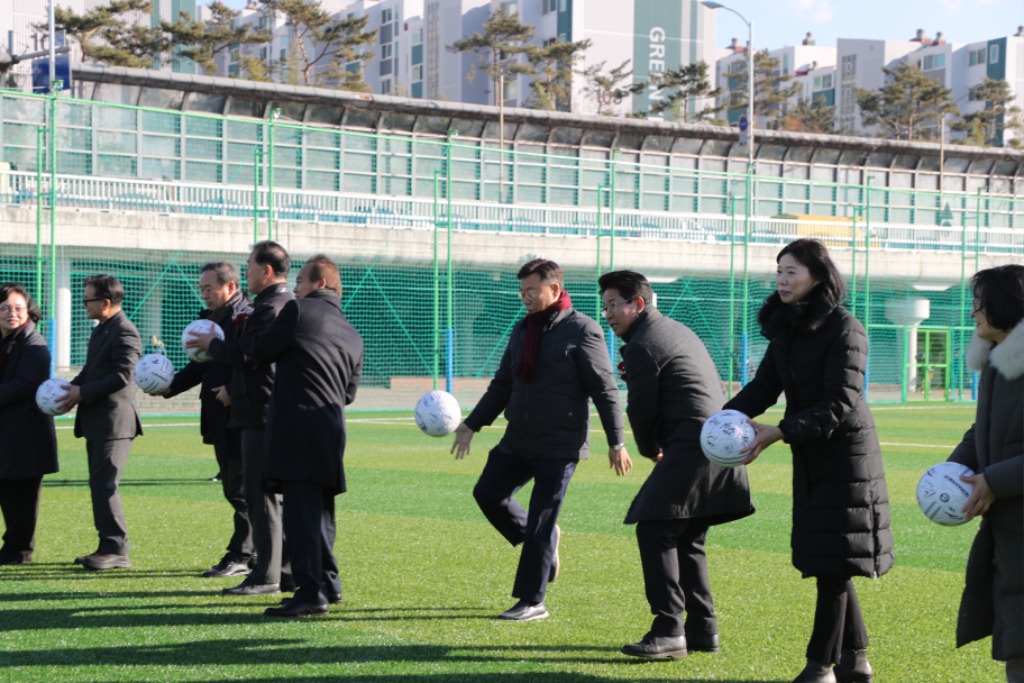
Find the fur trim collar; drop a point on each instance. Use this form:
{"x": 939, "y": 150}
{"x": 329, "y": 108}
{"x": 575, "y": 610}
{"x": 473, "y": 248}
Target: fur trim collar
{"x": 1007, "y": 358}
{"x": 778, "y": 319}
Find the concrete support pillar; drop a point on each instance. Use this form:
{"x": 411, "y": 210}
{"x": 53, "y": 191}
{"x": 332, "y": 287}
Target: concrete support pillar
{"x": 62, "y": 314}
{"x": 909, "y": 313}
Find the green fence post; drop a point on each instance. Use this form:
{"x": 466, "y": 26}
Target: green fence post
{"x": 40, "y": 143}
{"x": 437, "y": 278}
{"x": 257, "y": 162}
{"x": 611, "y": 211}
{"x": 732, "y": 290}
{"x": 600, "y": 221}
{"x": 963, "y": 293}
{"x": 53, "y": 208}
{"x": 274, "y": 114}
{"x": 450, "y": 334}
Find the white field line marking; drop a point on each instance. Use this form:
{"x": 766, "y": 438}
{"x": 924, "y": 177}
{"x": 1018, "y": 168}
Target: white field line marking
{"x": 917, "y": 445}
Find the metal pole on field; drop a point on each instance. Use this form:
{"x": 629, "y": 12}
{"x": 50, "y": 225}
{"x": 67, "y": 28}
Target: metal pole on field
{"x": 450, "y": 333}
{"x": 745, "y": 334}
{"x": 40, "y": 143}
{"x": 600, "y": 221}
{"x": 963, "y": 288}
{"x": 256, "y": 175}
{"x": 611, "y": 211}
{"x": 274, "y": 114}
{"x": 732, "y": 291}
{"x": 53, "y": 42}
{"x": 437, "y": 278}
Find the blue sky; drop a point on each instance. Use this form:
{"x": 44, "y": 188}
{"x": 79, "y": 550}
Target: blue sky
{"x": 778, "y": 23}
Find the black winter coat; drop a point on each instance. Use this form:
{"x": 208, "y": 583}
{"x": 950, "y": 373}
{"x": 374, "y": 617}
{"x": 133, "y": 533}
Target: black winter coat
{"x": 213, "y": 415}
{"x": 817, "y": 355}
{"x": 673, "y": 388}
{"x": 549, "y": 418}
{"x": 993, "y": 599}
{"x": 28, "y": 447}
{"x": 319, "y": 358}
{"x": 251, "y": 381}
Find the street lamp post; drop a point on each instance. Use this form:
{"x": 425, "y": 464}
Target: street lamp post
{"x": 750, "y": 78}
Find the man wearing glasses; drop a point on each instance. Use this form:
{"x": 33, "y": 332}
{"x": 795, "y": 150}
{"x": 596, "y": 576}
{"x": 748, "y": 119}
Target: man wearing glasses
{"x": 556, "y": 359}
{"x": 105, "y": 395}
{"x": 673, "y": 387}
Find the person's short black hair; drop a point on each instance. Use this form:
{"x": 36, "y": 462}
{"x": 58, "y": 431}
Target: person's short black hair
{"x": 270, "y": 253}
{"x": 813, "y": 255}
{"x": 9, "y": 288}
{"x": 226, "y": 272}
{"x": 549, "y": 271}
{"x": 106, "y": 287}
{"x": 630, "y": 284}
{"x": 999, "y": 292}
{"x": 323, "y": 268}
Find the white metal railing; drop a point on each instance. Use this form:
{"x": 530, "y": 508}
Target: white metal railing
{"x": 18, "y": 189}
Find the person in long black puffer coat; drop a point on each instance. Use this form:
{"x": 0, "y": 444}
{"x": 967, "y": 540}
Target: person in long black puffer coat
{"x": 817, "y": 355}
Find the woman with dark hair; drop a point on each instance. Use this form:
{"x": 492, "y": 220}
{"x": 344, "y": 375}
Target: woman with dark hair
{"x": 28, "y": 449}
{"x": 817, "y": 355}
{"x": 993, "y": 599}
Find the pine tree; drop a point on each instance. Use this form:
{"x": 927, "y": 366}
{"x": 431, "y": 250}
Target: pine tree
{"x": 985, "y": 126}
{"x": 810, "y": 117}
{"x": 675, "y": 90}
{"x": 772, "y": 89}
{"x": 116, "y": 33}
{"x": 552, "y": 73}
{"x": 499, "y": 48}
{"x": 608, "y": 88}
{"x": 905, "y": 106}
{"x": 202, "y": 41}
{"x": 326, "y": 44}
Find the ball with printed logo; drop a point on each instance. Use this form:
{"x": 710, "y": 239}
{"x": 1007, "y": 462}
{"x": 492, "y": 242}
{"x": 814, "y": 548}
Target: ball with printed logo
{"x": 724, "y": 435}
{"x": 437, "y": 413}
{"x": 153, "y": 373}
{"x": 195, "y": 328}
{"x": 49, "y": 395}
{"x": 941, "y": 495}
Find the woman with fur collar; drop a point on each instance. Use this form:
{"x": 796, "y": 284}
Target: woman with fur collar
{"x": 817, "y": 355}
{"x": 993, "y": 599}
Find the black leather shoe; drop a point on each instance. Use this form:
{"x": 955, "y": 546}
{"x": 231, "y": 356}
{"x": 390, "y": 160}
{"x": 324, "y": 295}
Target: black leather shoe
{"x": 82, "y": 558}
{"x": 816, "y": 672}
{"x": 246, "y": 589}
{"x": 15, "y": 557}
{"x": 332, "y": 600}
{"x": 853, "y": 667}
{"x": 702, "y": 642}
{"x": 229, "y": 566}
{"x": 296, "y": 608}
{"x": 100, "y": 562}
{"x": 525, "y": 611}
{"x": 657, "y": 647}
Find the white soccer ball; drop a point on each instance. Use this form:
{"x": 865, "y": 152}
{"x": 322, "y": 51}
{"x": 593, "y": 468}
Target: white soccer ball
{"x": 201, "y": 326}
{"x": 49, "y": 395}
{"x": 438, "y": 413}
{"x": 724, "y": 435}
{"x": 941, "y": 494}
{"x": 153, "y": 373}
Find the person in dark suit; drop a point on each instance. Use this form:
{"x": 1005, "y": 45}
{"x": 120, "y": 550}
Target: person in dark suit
{"x": 556, "y": 359}
{"x": 219, "y": 289}
{"x": 319, "y": 357}
{"x": 673, "y": 387}
{"x": 249, "y": 392}
{"x": 817, "y": 354}
{"x": 28, "y": 449}
{"x": 107, "y": 417}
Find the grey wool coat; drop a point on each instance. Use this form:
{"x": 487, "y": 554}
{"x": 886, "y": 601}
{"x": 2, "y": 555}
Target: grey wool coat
{"x": 107, "y": 410}
{"x": 673, "y": 387}
{"x": 817, "y": 355}
{"x": 993, "y": 598}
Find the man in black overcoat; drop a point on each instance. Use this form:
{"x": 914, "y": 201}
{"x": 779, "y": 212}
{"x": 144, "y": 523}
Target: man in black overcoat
{"x": 220, "y": 291}
{"x": 319, "y": 357}
{"x": 673, "y": 387}
{"x": 104, "y": 392}
{"x": 556, "y": 361}
{"x": 266, "y": 276}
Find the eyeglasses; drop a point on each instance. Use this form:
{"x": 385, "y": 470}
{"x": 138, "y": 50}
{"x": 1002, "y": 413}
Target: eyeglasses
{"x": 87, "y": 300}
{"x": 528, "y": 294}
{"x": 610, "y": 308}
{"x": 4, "y": 308}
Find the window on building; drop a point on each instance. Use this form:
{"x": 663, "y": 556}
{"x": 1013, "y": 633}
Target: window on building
{"x": 417, "y": 72}
{"x": 823, "y": 82}
{"x": 993, "y": 54}
{"x": 511, "y": 8}
{"x": 386, "y": 16}
{"x": 385, "y": 86}
{"x": 386, "y": 50}
{"x": 933, "y": 62}
{"x": 976, "y": 57}
{"x": 417, "y": 37}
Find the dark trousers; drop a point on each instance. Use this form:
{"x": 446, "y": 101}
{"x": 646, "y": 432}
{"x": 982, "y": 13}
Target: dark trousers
{"x": 676, "y": 576}
{"x": 838, "y": 622}
{"x": 264, "y": 512}
{"x": 228, "y": 449}
{"x": 310, "y": 527}
{"x": 106, "y": 463}
{"x": 19, "y": 501}
{"x": 503, "y": 476}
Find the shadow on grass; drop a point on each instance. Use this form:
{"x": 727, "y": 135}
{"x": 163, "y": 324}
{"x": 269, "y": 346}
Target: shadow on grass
{"x": 278, "y": 653}
{"x": 66, "y": 571}
{"x": 84, "y": 483}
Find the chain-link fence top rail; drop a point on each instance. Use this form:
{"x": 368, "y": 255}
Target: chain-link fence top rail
{"x": 365, "y": 198}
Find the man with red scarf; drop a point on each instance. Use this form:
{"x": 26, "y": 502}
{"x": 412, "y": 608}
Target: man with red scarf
{"x": 556, "y": 359}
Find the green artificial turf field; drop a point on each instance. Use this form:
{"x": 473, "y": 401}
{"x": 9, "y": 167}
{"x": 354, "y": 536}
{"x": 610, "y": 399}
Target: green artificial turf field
{"x": 424, "y": 575}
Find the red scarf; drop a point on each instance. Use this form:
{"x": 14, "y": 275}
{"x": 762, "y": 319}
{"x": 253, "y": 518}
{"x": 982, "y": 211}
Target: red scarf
{"x": 534, "y": 324}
